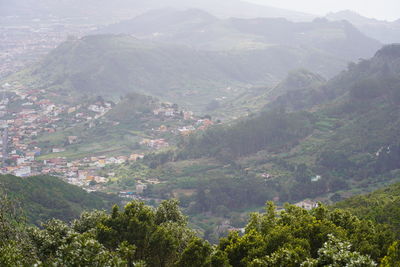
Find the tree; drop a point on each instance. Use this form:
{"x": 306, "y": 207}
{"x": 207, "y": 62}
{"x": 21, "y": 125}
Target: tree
{"x": 336, "y": 253}
{"x": 168, "y": 211}
{"x": 219, "y": 259}
{"x": 133, "y": 225}
{"x": 197, "y": 253}
{"x": 83, "y": 250}
{"x": 16, "y": 249}
{"x": 393, "y": 256}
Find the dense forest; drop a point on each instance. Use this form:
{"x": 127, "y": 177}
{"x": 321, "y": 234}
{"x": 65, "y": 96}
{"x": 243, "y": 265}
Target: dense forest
{"x": 139, "y": 235}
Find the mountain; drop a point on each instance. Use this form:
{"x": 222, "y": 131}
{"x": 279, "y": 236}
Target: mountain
{"x": 194, "y": 58}
{"x": 294, "y": 91}
{"x": 384, "y": 31}
{"x": 366, "y": 94}
{"x": 114, "y": 65}
{"x": 104, "y": 11}
{"x": 352, "y": 17}
{"x": 199, "y": 29}
{"x": 44, "y": 197}
{"x": 166, "y": 21}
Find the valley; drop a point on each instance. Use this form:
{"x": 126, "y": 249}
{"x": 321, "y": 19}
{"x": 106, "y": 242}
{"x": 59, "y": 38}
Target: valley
{"x": 195, "y": 133}
{"x": 287, "y": 149}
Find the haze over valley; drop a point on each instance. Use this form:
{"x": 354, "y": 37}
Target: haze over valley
{"x": 153, "y": 133}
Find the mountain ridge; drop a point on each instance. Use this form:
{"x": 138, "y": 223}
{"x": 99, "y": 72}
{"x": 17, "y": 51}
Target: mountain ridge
{"x": 384, "y": 31}
{"x": 95, "y": 64}
{"x": 209, "y": 33}
{"x": 125, "y": 8}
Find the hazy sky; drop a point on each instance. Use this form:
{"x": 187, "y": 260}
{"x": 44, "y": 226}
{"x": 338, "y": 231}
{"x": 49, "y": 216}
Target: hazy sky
{"x": 381, "y": 9}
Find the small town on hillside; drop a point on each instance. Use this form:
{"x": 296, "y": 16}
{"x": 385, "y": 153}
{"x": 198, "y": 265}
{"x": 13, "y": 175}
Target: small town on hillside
{"x": 26, "y": 115}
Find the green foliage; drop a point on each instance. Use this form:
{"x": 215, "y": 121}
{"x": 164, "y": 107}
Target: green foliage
{"x": 393, "y": 257}
{"x": 195, "y": 254}
{"x": 296, "y": 236}
{"x": 159, "y": 236}
{"x": 132, "y": 105}
{"x": 140, "y": 235}
{"x": 381, "y": 206}
{"x": 15, "y": 246}
{"x": 338, "y": 253}
{"x": 83, "y": 250}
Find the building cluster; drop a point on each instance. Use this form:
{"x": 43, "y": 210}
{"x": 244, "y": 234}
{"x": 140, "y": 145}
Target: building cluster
{"x": 26, "y": 116}
{"x": 26, "y": 41}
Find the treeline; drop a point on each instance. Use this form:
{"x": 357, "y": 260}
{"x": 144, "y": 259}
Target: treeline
{"x": 139, "y": 235}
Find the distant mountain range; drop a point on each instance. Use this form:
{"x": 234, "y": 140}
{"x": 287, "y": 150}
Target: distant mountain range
{"x": 191, "y": 57}
{"x": 104, "y": 10}
{"x": 201, "y": 30}
{"x": 384, "y": 31}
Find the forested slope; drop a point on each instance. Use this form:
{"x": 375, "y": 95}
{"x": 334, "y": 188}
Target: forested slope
{"x": 45, "y": 197}
{"x": 336, "y": 139}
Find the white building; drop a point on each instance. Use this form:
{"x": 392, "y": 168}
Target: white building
{"x": 307, "y": 204}
{"x": 23, "y": 171}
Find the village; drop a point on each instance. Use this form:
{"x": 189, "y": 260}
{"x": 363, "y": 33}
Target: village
{"x": 26, "y": 115}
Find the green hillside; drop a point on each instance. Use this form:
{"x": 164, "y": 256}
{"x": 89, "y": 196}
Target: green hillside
{"x": 363, "y": 101}
{"x": 292, "y": 93}
{"x": 114, "y": 65}
{"x": 335, "y": 140}
{"x": 45, "y": 197}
